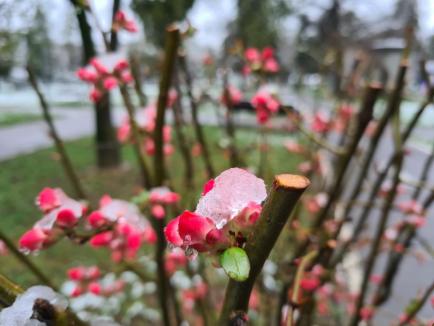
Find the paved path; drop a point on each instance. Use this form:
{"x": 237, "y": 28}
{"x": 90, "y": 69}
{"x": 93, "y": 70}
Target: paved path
{"x": 29, "y": 137}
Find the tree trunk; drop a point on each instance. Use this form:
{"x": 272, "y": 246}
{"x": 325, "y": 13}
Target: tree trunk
{"x": 107, "y": 146}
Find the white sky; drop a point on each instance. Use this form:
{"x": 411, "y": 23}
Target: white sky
{"x": 211, "y": 17}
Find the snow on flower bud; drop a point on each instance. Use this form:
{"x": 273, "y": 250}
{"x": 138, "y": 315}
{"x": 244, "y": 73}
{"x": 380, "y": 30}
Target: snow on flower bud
{"x": 33, "y": 240}
{"x": 233, "y": 190}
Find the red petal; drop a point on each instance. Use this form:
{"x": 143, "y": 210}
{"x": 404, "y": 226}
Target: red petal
{"x": 172, "y": 233}
{"x": 193, "y": 228}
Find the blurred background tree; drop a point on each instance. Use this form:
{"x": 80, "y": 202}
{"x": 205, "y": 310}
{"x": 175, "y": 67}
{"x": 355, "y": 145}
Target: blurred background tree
{"x": 39, "y": 45}
{"x": 156, "y": 15}
{"x": 8, "y": 45}
{"x": 257, "y": 23}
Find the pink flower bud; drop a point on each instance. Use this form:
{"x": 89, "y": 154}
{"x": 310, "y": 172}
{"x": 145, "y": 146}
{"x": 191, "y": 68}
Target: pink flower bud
{"x": 66, "y": 218}
{"x": 95, "y": 95}
{"x": 77, "y": 291}
{"x": 94, "y": 287}
{"x": 267, "y": 53}
{"x": 127, "y": 77}
{"x": 310, "y": 283}
{"x": 122, "y": 64}
{"x": 99, "y": 67}
{"x": 76, "y": 273}
{"x": 48, "y": 199}
{"x": 252, "y": 54}
{"x": 271, "y": 65}
{"x": 96, "y": 219}
{"x": 110, "y": 83}
{"x": 134, "y": 241}
{"x": 87, "y": 75}
{"x": 93, "y": 272}
{"x": 158, "y": 211}
{"x": 33, "y": 239}
{"x": 101, "y": 239}
{"x": 366, "y": 313}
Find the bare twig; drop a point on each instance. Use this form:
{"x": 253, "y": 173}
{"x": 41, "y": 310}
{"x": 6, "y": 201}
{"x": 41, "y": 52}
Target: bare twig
{"x": 195, "y": 119}
{"x": 66, "y": 162}
{"x": 170, "y": 52}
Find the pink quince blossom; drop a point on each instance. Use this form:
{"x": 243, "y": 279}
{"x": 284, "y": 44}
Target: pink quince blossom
{"x": 320, "y": 123}
{"x": 271, "y": 65}
{"x": 265, "y": 105}
{"x": 410, "y": 207}
{"x": 130, "y": 229}
{"x": 294, "y": 147}
{"x": 367, "y": 313}
{"x": 122, "y": 21}
{"x": 252, "y": 55}
{"x": 60, "y": 212}
{"x": 267, "y": 53}
{"x": 233, "y": 204}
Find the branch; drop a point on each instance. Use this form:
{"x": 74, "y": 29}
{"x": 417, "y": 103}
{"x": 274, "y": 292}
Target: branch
{"x": 195, "y": 119}
{"x": 137, "y": 139}
{"x": 418, "y": 306}
{"x": 66, "y": 162}
{"x": 281, "y": 201}
{"x": 171, "y": 48}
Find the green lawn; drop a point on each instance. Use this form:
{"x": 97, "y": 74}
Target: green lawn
{"x": 23, "y": 177}
{"x": 9, "y": 119}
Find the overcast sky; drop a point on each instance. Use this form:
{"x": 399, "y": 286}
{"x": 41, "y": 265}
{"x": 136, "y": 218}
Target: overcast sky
{"x": 211, "y": 17}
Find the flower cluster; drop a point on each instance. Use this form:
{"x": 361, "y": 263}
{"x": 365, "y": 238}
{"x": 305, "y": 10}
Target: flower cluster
{"x": 87, "y": 280}
{"x": 229, "y": 207}
{"x": 102, "y": 78}
{"x": 260, "y": 61}
{"x": 128, "y": 229}
{"x": 159, "y": 199}
{"x": 121, "y": 21}
{"x": 145, "y": 120}
{"x": 61, "y": 213}
{"x": 265, "y": 105}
